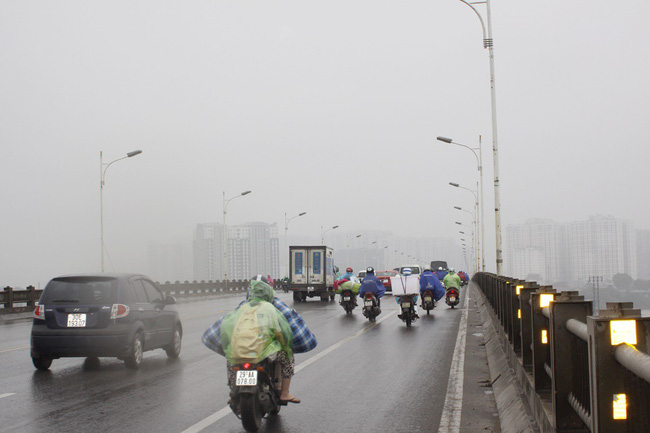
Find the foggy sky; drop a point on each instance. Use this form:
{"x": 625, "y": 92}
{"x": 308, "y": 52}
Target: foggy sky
{"x": 332, "y": 108}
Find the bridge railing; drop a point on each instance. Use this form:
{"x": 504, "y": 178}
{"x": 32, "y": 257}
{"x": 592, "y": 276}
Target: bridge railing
{"x": 580, "y": 372}
{"x": 20, "y": 301}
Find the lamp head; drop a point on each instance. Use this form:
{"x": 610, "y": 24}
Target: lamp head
{"x": 445, "y": 139}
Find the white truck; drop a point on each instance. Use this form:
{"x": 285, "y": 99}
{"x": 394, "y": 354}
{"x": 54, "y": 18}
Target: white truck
{"x": 311, "y": 272}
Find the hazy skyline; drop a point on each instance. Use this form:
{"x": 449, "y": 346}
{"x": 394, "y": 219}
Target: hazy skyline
{"x": 330, "y": 108}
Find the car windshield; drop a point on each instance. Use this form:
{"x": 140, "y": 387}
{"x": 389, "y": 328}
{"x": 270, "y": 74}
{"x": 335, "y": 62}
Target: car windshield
{"x": 386, "y": 273}
{"x": 81, "y": 290}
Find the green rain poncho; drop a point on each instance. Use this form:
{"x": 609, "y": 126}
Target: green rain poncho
{"x": 257, "y": 329}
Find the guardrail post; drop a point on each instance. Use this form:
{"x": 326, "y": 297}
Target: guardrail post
{"x": 540, "y": 340}
{"x": 614, "y": 392}
{"x": 525, "y": 323}
{"x": 569, "y": 362}
{"x": 9, "y": 299}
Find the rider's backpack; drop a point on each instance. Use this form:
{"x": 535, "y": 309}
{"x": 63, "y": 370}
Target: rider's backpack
{"x": 248, "y": 339}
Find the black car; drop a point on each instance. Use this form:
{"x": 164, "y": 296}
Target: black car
{"x": 104, "y": 315}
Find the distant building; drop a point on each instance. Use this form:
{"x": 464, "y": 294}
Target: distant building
{"x": 166, "y": 262}
{"x": 572, "y": 252}
{"x": 253, "y": 248}
{"x": 643, "y": 254}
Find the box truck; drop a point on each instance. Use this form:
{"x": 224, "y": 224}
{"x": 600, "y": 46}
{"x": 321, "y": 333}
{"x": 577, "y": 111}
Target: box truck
{"x": 311, "y": 272}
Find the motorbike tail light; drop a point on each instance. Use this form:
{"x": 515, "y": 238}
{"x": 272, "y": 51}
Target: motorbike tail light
{"x": 119, "y": 310}
{"x": 39, "y": 312}
{"x": 246, "y": 366}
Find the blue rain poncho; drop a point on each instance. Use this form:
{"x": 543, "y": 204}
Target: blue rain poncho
{"x": 257, "y": 329}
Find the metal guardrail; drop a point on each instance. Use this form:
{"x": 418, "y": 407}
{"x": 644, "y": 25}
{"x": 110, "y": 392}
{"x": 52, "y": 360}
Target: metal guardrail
{"x": 580, "y": 372}
{"x": 21, "y": 301}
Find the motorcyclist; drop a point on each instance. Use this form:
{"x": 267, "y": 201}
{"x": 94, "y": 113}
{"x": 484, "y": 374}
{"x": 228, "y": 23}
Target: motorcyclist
{"x": 372, "y": 284}
{"x": 302, "y": 338}
{"x": 406, "y": 272}
{"x": 452, "y": 280}
{"x": 428, "y": 281}
{"x": 440, "y": 273}
{"x": 348, "y": 276}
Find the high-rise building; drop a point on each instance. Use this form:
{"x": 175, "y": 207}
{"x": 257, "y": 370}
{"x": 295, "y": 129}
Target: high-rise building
{"x": 253, "y": 248}
{"x": 643, "y": 254}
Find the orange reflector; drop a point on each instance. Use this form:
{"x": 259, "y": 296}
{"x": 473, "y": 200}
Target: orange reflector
{"x": 620, "y": 406}
{"x": 544, "y": 336}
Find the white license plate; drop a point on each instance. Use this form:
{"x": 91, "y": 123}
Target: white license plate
{"x": 406, "y": 305}
{"x": 368, "y": 303}
{"x": 452, "y": 299}
{"x": 76, "y": 320}
{"x": 427, "y": 299}
{"x": 310, "y": 289}
{"x": 246, "y": 378}
{"x": 346, "y": 298}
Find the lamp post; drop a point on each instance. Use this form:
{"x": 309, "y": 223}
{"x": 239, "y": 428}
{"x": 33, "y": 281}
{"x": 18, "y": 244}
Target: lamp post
{"x": 224, "y": 263}
{"x": 476, "y": 248}
{"x": 102, "y": 180}
{"x": 476, "y": 204}
{"x": 489, "y": 44}
{"x": 479, "y": 162}
{"x": 322, "y": 234}
{"x": 286, "y": 245}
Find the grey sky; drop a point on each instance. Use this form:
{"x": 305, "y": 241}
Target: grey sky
{"x": 326, "y": 107}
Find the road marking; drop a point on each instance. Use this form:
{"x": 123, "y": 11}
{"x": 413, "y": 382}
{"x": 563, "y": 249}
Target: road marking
{"x": 452, "y": 410}
{"x": 199, "y": 426}
{"x": 14, "y": 348}
{"x": 8, "y": 394}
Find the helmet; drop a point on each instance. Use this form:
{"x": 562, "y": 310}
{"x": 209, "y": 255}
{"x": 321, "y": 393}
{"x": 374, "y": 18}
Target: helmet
{"x": 427, "y": 270}
{"x": 348, "y": 270}
{"x": 451, "y": 270}
{"x": 260, "y": 278}
{"x": 370, "y": 270}
{"x": 406, "y": 271}
{"x": 440, "y": 268}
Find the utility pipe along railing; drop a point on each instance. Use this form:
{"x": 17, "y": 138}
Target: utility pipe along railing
{"x": 580, "y": 372}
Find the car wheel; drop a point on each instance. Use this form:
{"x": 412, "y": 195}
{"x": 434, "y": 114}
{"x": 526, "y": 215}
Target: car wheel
{"x": 173, "y": 350}
{"x": 134, "y": 359}
{"x": 42, "y": 362}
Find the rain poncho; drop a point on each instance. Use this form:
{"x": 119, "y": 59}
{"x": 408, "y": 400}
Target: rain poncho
{"x": 451, "y": 280}
{"x": 257, "y": 329}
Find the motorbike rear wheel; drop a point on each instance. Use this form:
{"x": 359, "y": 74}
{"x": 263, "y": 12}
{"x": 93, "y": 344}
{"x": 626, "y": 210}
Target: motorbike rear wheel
{"x": 251, "y": 412}
{"x": 408, "y": 320}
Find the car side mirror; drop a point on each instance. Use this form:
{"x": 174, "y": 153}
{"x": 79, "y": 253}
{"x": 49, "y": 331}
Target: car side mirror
{"x": 170, "y": 300}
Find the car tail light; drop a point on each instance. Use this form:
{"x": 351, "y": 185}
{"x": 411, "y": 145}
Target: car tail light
{"x": 39, "y": 312}
{"x": 119, "y": 311}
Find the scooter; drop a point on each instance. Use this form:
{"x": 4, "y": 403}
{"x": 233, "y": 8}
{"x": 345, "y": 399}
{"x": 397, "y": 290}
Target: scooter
{"x": 256, "y": 392}
{"x": 452, "y": 298}
{"x": 428, "y": 302}
{"x": 407, "y": 307}
{"x": 348, "y": 301}
{"x": 371, "y": 307}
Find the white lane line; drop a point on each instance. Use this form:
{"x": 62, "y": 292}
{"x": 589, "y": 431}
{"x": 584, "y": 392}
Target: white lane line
{"x": 452, "y": 410}
{"x": 7, "y": 394}
{"x": 199, "y": 426}
{"x": 14, "y": 348}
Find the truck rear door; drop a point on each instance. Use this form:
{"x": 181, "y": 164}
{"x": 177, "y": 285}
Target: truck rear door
{"x": 317, "y": 267}
{"x": 299, "y": 266}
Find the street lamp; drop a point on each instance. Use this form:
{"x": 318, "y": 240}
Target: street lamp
{"x": 479, "y": 162}
{"x": 476, "y": 248}
{"x": 286, "y": 245}
{"x": 102, "y": 181}
{"x": 475, "y": 194}
{"x": 224, "y": 264}
{"x": 322, "y": 234}
{"x": 489, "y": 44}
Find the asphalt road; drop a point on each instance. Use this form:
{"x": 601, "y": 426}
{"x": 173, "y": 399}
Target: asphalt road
{"x": 362, "y": 377}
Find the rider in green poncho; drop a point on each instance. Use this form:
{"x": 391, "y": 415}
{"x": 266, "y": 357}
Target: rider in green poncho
{"x": 257, "y": 329}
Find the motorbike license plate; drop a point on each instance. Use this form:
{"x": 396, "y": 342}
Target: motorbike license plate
{"x": 427, "y": 299}
{"x": 346, "y": 298}
{"x": 246, "y": 378}
{"x": 406, "y": 305}
{"x": 452, "y": 299}
{"x": 76, "y": 320}
{"x": 368, "y": 303}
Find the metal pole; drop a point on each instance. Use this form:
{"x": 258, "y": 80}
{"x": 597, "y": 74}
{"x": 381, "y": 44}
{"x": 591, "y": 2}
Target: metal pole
{"x": 224, "y": 257}
{"x": 101, "y": 205}
{"x": 480, "y": 174}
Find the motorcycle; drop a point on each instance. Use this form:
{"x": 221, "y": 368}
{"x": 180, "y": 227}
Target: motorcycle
{"x": 407, "y": 307}
{"x": 348, "y": 301}
{"x": 285, "y": 286}
{"x": 256, "y": 392}
{"x": 452, "y": 298}
{"x": 428, "y": 302}
{"x": 371, "y": 307}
